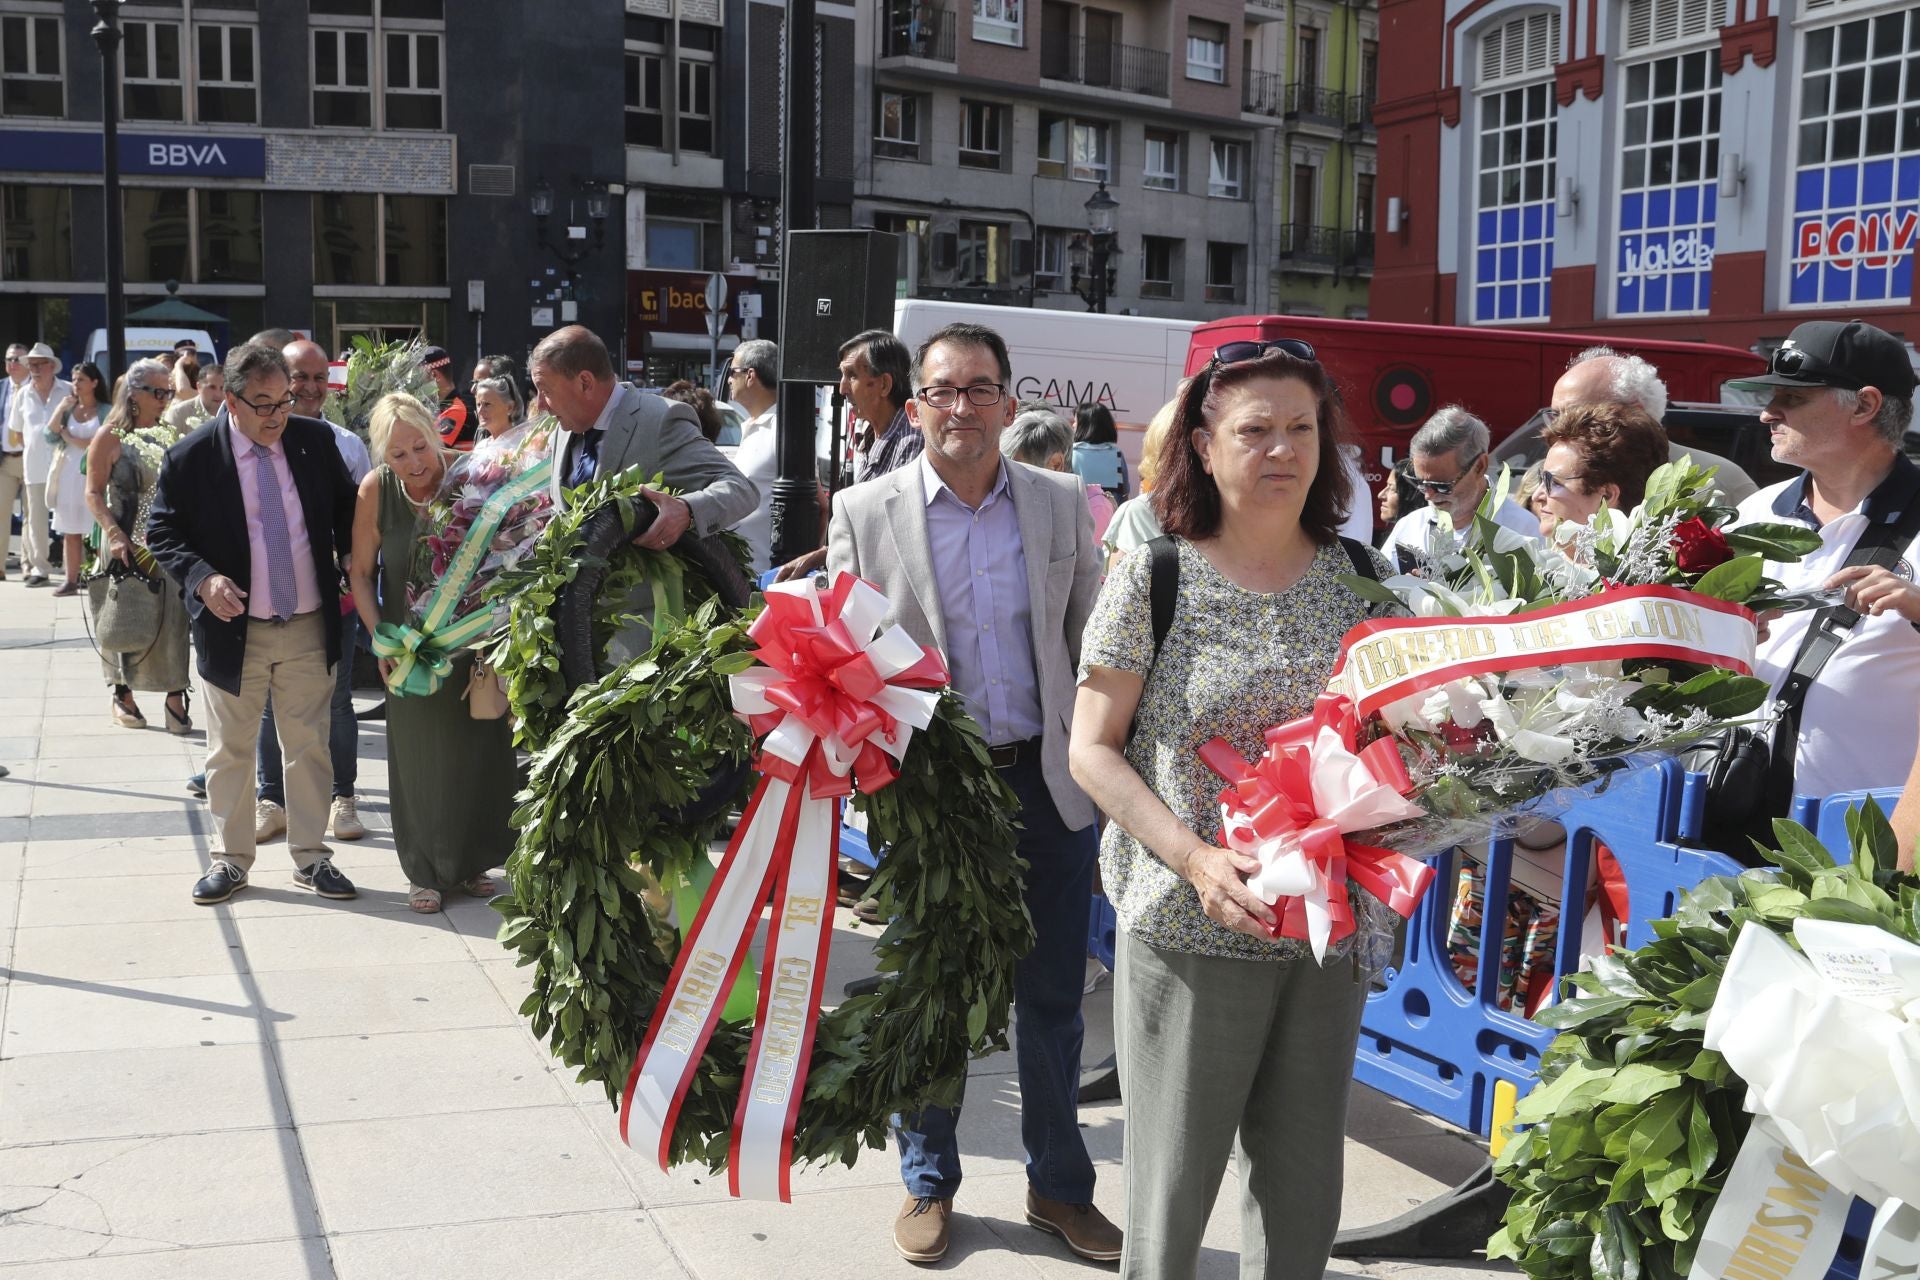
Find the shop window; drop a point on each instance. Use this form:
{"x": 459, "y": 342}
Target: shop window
{"x": 1856, "y": 184}
{"x": 32, "y": 80}
{"x": 227, "y": 237}
{"x": 158, "y": 233}
{"x": 36, "y": 232}
{"x": 396, "y": 241}
{"x": 1513, "y": 216}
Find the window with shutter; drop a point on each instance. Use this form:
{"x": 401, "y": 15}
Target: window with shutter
{"x": 1526, "y": 46}
{"x": 1655, "y": 24}
{"x": 1513, "y": 224}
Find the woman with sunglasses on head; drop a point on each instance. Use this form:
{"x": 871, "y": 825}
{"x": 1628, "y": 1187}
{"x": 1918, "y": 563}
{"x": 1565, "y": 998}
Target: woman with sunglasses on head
{"x": 1598, "y": 455}
{"x": 1228, "y": 1039}
{"x": 74, "y": 421}
{"x": 122, "y": 469}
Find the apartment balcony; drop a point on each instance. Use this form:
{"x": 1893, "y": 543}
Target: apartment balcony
{"x": 1264, "y": 93}
{"x": 1102, "y": 64}
{"x": 1308, "y": 248}
{"x": 918, "y": 31}
{"x": 1356, "y": 252}
{"x": 1360, "y": 115}
{"x": 1310, "y": 104}
{"x": 1259, "y": 11}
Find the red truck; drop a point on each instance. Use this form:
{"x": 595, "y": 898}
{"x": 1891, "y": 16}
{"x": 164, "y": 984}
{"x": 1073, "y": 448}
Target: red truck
{"x": 1395, "y": 375}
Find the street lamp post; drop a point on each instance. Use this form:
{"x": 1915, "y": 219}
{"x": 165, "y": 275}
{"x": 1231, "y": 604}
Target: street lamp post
{"x": 575, "y": 248}
{"x": 1093, "y": 269}
{"x": 106, "y": 37}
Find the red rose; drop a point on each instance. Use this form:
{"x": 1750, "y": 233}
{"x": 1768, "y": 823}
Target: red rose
{"x": 1697, "y": 547}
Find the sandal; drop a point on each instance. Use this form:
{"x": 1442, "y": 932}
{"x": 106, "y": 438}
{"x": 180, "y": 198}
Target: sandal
{"x": 423, "y": 901}
{"x": 126, "y": 713}
{"x": 481, "y": 886}
{"x": 181, "y": 721}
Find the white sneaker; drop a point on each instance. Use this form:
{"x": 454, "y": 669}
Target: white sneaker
{"x": 269, "y": 820}
{"x": 346, "y": 820}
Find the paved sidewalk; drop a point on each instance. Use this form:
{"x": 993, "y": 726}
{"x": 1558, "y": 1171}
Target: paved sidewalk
{"x": 284, "y": 1086}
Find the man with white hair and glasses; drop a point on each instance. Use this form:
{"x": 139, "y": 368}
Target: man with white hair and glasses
{"x": 1447, "y": 463}
{"x": 1601, "y": 375}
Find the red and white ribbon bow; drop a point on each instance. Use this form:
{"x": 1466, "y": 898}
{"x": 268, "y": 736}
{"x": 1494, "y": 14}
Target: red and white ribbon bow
{"x": 836, "y": 701}
{"x": 1293, "y": 808}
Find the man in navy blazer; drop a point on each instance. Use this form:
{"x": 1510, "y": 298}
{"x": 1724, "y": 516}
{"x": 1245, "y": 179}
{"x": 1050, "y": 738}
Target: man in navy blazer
{"x": 251, "y": 516}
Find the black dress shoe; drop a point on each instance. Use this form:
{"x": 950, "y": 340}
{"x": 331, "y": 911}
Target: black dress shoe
{"x": 325, "y": 879}
{"x": 220, "y": 883}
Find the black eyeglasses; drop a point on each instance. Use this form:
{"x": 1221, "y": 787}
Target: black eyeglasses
{"x": 1438, "y": 488}
{"x": 1792, "y": 362}
{"x": 267, "y": 408}
{"x": 981, "y": 395}
{"x": 1241, "y": 352}
{"x": 158, "y": 393}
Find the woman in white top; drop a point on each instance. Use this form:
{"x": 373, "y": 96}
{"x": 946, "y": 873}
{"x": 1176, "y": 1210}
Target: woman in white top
{"x": 75, "y": 419}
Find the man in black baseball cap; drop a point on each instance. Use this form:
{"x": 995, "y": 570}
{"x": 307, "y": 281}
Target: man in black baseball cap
{"x": 1840, "y": 398}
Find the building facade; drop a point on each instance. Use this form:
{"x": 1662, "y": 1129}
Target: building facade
{"x": 985, "y": 126}
{"x": 1317, "y": 75}
{"x": 1716, "y": 170}
{"x": 346, "y": 167}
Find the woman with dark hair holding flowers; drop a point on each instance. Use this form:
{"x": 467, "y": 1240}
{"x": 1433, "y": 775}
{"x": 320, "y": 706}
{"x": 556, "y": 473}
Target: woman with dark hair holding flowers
{"x": 1227, "y": 1037}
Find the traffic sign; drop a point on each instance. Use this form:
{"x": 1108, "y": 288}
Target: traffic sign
{"x": 716, "y": 293}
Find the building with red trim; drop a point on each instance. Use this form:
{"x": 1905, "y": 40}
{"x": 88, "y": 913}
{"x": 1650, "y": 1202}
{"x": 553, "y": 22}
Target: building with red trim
{"x": 1714, "y": 170}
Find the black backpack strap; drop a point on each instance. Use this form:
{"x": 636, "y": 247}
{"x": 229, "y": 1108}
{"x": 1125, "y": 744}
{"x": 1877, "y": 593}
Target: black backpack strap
{"x": 1362, "y": 556}
{"x": 1163, "y": 589}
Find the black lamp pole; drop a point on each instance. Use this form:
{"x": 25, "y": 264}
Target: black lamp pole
{"x": 106, "y": 36}
{"x": 1100, "y": 209}
{"x": 796, "y": 490}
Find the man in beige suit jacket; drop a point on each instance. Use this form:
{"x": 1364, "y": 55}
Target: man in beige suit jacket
{"x": 994, "y": 563}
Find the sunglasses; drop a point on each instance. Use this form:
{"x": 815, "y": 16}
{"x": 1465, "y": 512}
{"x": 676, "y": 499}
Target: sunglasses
{"x": 1241, "y": 352}
{"x": 1792, "y": 362}
{"x": 1438, "y": 488}
{"x": 1558, "y": 485}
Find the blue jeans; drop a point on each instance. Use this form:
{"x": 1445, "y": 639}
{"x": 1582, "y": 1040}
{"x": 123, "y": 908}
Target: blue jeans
{"x": 1048, "y": 1029}
{"x": 343, "y": 737}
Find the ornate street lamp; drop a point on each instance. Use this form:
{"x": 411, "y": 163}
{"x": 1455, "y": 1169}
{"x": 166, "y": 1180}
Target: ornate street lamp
{"x": 1092, "y": 254}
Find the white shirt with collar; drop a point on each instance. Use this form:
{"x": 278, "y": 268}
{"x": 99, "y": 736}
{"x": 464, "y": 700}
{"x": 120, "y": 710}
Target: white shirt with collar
{"x": 759, "y": 462}
{"x": 1414, "y": 530}
{"x": 1857, "y": 728}
{"x": 28, "y": 415}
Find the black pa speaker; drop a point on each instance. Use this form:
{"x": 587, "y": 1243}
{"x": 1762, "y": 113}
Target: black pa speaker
{"x": 834, "y": 284}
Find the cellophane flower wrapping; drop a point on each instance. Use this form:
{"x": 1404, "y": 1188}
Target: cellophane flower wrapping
{"x": 471, "y": 480}
{"x": 373, "y": 370}
{"x": 1491, "y": 752}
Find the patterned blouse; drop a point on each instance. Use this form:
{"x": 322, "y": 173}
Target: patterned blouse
{"x": 1234, "y": 664}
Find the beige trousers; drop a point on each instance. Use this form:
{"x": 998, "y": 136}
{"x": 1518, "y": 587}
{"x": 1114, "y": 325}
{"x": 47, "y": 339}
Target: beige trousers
{"x": 34, "y": 531}
{"x": 13, "y": 479}
{"x": 289, "y": 661}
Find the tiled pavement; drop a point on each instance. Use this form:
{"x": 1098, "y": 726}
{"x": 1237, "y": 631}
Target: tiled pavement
{"x": 289, "y": 1087}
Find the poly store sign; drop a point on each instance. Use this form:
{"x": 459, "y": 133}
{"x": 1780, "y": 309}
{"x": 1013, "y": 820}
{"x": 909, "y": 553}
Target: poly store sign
{"x": 1855, "y": 227}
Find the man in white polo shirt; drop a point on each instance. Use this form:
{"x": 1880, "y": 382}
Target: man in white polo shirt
{"x": 1841, "y": 398}
{"x": 1449, "y": 457}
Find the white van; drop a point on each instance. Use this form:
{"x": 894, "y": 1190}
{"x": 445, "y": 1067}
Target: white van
{"x": 142, "y": 343}
{"x": 1130, "y": 364}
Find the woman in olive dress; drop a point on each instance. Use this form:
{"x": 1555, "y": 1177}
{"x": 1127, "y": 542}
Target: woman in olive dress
{"x": 451, "y": 778}
{"x": 123, "y": 466}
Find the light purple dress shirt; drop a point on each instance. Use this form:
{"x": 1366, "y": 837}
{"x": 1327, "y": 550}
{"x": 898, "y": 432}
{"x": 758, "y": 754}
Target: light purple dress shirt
{"x": 980, "y": 570}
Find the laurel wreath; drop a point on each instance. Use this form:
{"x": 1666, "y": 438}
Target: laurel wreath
{"x": 597, "y": 835}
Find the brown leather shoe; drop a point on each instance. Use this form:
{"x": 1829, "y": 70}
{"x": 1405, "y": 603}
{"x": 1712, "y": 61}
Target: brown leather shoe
{"x": 1084, "y": 1228}
{"x": 920, "y": 1232}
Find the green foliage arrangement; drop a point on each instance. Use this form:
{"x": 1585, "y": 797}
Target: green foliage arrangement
{"x": 633, "y": 747}
{"x": 373, "y": 370}
{"x": 1635, "y": 1123}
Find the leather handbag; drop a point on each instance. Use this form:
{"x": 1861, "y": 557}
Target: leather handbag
{"x": 126, "y": 610}
{"x": 486, "y": 696}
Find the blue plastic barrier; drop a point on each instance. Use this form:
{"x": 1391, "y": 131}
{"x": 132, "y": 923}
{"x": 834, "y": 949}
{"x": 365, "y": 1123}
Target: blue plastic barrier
{"x": 1102, "y": 931}
{"x": 1430, "y": 1042}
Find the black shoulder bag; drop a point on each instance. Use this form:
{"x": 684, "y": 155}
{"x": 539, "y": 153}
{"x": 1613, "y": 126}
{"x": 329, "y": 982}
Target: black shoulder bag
{"x": 1750, "y": 769}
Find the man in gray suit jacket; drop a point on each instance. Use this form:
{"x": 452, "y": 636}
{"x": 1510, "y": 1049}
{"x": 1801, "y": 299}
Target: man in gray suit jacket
{"x": 613, "y": 427}
{"x": 994, "y": 563}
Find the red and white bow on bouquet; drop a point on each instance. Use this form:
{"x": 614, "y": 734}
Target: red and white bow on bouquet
{"x": 836, "y": 702}
{"x": 1294, "y": 807}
